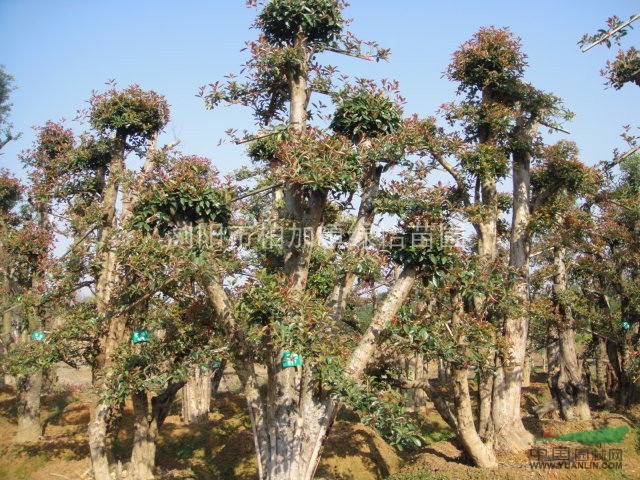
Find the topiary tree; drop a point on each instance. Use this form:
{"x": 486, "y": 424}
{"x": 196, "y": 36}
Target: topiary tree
{"x": 292, "y": 313}
{"x": 500, "y": 116}
{"x": 559, "y": 180}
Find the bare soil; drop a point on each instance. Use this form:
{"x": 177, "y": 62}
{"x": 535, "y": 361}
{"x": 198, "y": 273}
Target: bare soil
{"x": 222, "y": 448}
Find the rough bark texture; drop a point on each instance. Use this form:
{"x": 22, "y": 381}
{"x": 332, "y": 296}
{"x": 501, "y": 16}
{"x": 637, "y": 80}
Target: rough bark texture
{"x": 100, "y": 411}
{"x": 145, "y": 432}
{"x": 602, "y": 368}
{"x": 509, "y": 433}
{"x": 526, "y": 372}
{"x": 481, "y": 454}
{"x": 196, "y": 395}
{"x": 569, "y": 384}
{"x": 146, "y": 427}
{"x": 28, "y": 389}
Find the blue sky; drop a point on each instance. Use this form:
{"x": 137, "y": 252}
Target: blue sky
{"x": 60, "y": 50}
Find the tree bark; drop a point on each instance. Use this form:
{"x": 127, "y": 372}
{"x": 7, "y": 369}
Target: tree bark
{"x": 602, "y": 367}
{"x": 196, "y": 395}
{"x": 143, "y": 455}
{"x": 146, "y": 427}
{"x": 101, "y": 410}
{"x": 481, "y": 454}
{"x": 509, "y": 434}
{"x": 526, "y": 372}
{"x": 28, "y": 390}
{"x": 570, "y": 387}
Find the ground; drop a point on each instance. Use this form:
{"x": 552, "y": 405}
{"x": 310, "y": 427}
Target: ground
{"x": 222, "y": 448}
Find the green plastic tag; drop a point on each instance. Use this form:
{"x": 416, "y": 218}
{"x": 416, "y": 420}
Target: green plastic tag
{"x": 140, "y": 336}
{"x": 38, "y": 336}
{"x": 291, "y": 359}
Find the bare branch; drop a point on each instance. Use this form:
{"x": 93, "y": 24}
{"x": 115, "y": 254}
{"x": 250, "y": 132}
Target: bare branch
{"x": 554, "y": 127}
{"x": 611, "y": 32}
{"x": 457, "y": 176}
{"x": 256, "y": 192}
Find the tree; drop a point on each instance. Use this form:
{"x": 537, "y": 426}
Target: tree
{"x": 500, "y": 117}
{"x": 6, "y": 87}
{"x": 29, "y": 270}
{"x": 617, "y": 218}
{"x": 294, "y": 300}
{"x": 559, "y": 179}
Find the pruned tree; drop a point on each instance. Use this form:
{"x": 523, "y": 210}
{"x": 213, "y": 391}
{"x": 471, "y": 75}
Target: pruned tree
{"x": 559, "y": 181}
{"x": 291, "y": 313}
{"x": 500, "y": 117}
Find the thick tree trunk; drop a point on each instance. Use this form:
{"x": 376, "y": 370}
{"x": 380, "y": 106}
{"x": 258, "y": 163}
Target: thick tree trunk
{"x": 509, "y": 433}
{"x": 481, "y": 454}
{"x": 146, "y": 427}
{"x": 28, "y": 390}
{"x": 145, "y": 433}
{"x": 196, "y": 395}
{"x": 420, "y": 374}
{"x": 602, "y": 367}
{"x": 485, "y": 389}
{"x": 570, "y": 385}
{"x": 99, "y": 416}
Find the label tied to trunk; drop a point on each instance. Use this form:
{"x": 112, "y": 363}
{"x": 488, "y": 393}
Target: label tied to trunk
{"x": 215, "y": 364}
{"x": 291, "y": 359}
{"x": 625, "y": 325}
{"x": 140, "y": 336}
{"x": 38, "y": 336}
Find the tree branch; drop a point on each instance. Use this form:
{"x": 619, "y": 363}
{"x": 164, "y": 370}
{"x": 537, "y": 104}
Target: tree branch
{"x": 611, "y": 32}
{"x": 438, "y": 401}
{"x": 457, "y": 176}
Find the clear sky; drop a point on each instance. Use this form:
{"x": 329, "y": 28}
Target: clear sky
{"x": 60, "y": 50}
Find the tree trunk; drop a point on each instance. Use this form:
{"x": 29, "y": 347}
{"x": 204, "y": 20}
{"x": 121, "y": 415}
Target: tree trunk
{"x": 420, "y": 374}
{"x": 216, "y": 378}
{"x": 99, "y": 415}
{"x": 143, "y": 455}
{"x": 570, "y": 385}
{"x": 602, "y": 367}
{"x": 526, "y": 372}
{"x": 101, "y": 411}
{"x": 509, "y": 434}
{"x": 481, "y": 454}
{"x": 146, "y": 427}
{"x": 196, "y": 395}
{"x": 28, "y": 390}
{"x": 485, "y": 389}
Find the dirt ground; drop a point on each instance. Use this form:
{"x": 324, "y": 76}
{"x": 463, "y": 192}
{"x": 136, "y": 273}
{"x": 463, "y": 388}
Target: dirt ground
{"x": 223, "y": 448}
